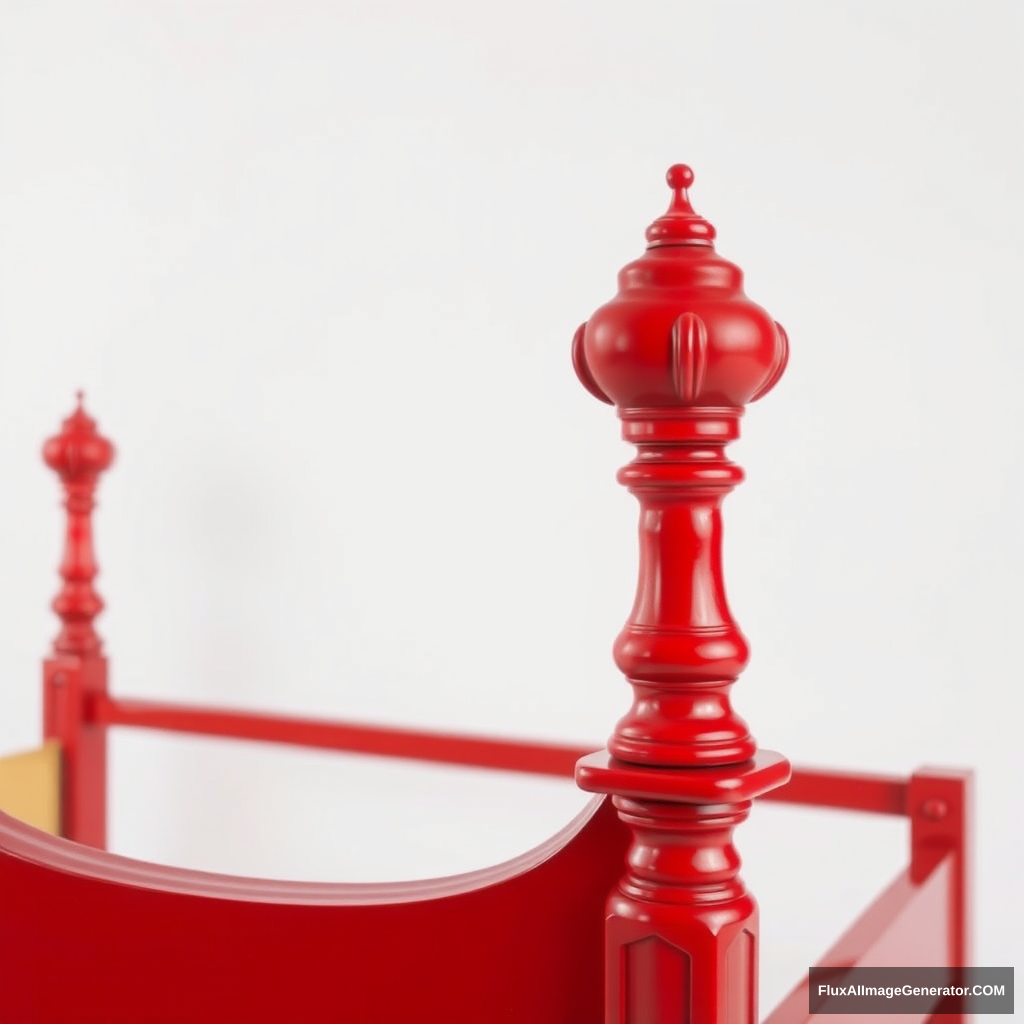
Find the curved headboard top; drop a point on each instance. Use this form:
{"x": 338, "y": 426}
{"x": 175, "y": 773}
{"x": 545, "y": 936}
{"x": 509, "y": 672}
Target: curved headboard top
{"x": 134, "y": 941}
{"x": 52, "y": 854}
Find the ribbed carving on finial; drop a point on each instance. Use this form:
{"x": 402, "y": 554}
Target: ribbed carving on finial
{"x": 689, "y": 356}
{"x": 779, "y": 364}
{"x": 579, "y": 364}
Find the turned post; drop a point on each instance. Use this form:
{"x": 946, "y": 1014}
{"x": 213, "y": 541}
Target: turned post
{"x": 75, "y": 674}
{"x": 680, "y": 351}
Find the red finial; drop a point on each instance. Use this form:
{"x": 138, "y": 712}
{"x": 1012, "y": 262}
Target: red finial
{"x": 679, "y": 225}
{"x": 78, "y": 454}
{"x": 680, "y": 350}
{"x": 681, "y": 332}
{"x": 679, "y": 176}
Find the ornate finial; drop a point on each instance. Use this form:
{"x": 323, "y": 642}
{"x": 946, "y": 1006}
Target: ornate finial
{"x": 79, "y": 453}
{"x": 681, "y": 332}
{"x": 679, "y": 225}
{"x": 679, "y": 351}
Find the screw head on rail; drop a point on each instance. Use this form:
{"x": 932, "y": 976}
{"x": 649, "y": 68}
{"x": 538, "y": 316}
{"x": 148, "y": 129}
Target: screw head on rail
{"x": 934, "y": 808}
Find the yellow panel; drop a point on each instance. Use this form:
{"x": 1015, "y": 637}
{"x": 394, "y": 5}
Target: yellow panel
{"x": 30, "y": 786}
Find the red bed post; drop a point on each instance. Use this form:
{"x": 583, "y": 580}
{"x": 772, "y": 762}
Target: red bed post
{"x": 940, "y": 805}
{"x": 680, "y": 350}
{"x": 76, "y": 673}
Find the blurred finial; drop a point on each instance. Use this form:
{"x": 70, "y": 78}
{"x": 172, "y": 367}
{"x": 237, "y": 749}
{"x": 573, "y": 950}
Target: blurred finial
{"x": 78, "y": 454}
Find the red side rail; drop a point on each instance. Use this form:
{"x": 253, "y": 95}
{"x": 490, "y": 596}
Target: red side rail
{"x": 904, "y": 927}
{"x": 847, "y": 791}
{"x": 442, "y": 748}
{"x": 876, "y": 794}
{"x": 851, "y": 791}
{"x": 921, "y": 919}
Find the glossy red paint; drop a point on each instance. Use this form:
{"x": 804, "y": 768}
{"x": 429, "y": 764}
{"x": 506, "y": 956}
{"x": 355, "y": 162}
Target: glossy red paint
{"x": 920, "y": 920}
{"x": 809, "y": 787}
{"x": 88, "y": 936}
{"x": 847, "y": 791}
{"x": 355, "y": 737}
{"x": 147, "y": 942}
{"x": 904, "y": 927}
{"x": 679, "y": 351}
{"x": 76, "y": 673}
{"x": 940, "y": 805}
{"x": 92, "y": 938}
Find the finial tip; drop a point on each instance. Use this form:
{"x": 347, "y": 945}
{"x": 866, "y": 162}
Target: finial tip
{"x": 679, "y": 225}
{"x": 679, "y": 176}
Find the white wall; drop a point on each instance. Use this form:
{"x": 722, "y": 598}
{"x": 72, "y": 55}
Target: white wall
{"x": 318, "y": 267}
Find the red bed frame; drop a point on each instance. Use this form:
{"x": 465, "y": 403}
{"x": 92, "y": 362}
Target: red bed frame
{"x": 634, "y": 913}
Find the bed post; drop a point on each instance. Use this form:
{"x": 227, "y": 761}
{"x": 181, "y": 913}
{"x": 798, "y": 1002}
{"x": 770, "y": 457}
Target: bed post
{"x": 940, "y": 803}
{"x": 75, "y": 674}
{"x": 680, "y": 350}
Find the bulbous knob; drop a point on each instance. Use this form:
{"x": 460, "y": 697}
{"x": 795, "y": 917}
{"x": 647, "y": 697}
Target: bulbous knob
{"x": 79, "y": 452}
{"x": 680, "y": 332}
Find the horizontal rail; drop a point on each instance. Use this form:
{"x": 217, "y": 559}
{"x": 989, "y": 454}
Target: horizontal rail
{"x": 876, "y": 794}
{"x": 476, "y": 751}
{"x": 906, "y": 926}
{"x": 847, "y": 791}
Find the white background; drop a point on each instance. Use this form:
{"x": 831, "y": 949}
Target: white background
{"x": 318, "y": 267}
